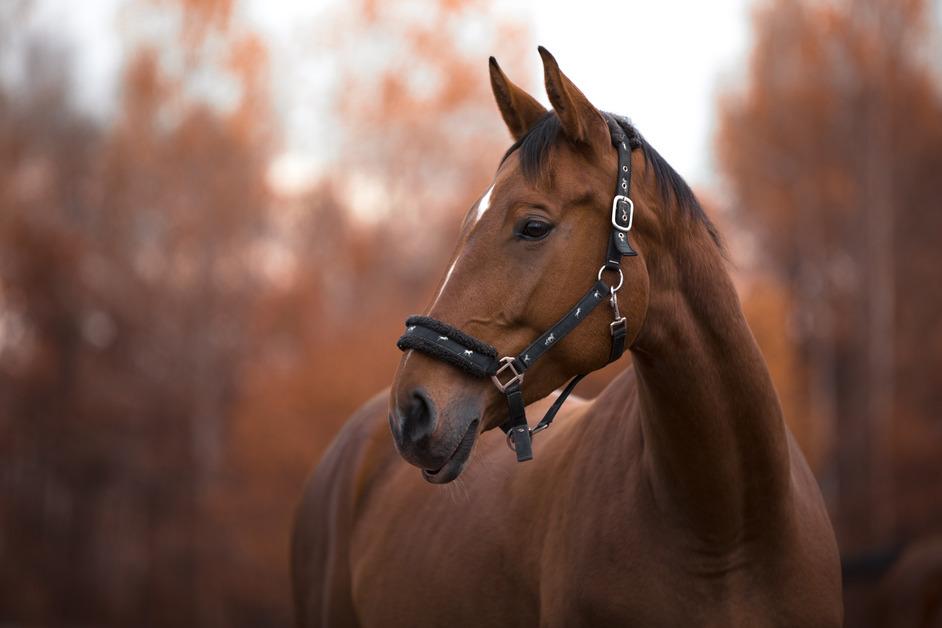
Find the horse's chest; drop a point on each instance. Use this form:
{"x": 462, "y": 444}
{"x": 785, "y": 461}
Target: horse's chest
{"x": 588, "y": 571}
{"x": 625, "y": 566}
{"x": 608, "y": 577}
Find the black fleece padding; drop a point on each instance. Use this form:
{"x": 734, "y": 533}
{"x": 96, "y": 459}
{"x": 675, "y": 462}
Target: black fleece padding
{"x": 443, "y": 342}
{"x": 454, "y": 333}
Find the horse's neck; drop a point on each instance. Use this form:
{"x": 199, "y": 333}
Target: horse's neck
{"x": 714, "y": 438}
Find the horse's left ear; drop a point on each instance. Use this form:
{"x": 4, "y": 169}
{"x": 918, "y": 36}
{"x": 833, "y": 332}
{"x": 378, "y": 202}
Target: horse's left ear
{"x": 581, "y": 121}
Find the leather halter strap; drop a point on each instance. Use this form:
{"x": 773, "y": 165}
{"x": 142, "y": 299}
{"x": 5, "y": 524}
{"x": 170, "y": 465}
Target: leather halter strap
{"x": 479, "y": 359}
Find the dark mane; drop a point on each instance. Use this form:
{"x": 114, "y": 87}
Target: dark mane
{"x": 535, "y": 146}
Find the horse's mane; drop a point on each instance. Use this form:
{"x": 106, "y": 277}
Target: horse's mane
{"x": 535, "y": 146}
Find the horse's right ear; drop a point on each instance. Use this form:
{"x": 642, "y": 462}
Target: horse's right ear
{"x": 580, "y": 120}
{"x": 519, "y": 109}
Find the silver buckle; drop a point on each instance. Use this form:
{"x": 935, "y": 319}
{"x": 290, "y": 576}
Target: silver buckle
{"x": 507, "y": 363}
{"x": 631, "y": 212}
{"x": 619, "y": 319}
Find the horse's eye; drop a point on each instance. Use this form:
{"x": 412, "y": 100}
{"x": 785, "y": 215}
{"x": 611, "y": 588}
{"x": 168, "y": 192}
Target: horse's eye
{"x": 535, "y": 229}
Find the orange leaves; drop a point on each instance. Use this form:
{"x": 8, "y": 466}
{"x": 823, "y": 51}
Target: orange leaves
{"x": 124, "y": 273}
{"x": 248, "y": 61}
{"x": 201, "y": 17}
{"x": 415, "y": 92}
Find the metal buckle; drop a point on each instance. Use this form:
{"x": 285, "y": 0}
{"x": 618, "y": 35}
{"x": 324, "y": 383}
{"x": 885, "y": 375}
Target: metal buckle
{"x": 619, "y": 319}
{"x": 631, "y": 212}
{"x": 614, "y": 303}
{"x": 507, "y": 362}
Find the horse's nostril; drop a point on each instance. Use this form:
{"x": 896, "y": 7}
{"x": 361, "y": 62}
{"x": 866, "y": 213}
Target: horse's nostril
{"x": 419, "y": 417}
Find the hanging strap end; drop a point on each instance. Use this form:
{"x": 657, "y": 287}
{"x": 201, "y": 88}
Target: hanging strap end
{"x": 522, "y": 443}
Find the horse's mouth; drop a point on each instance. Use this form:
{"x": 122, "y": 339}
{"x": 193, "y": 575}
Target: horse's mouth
{"x": 455, "y": 463}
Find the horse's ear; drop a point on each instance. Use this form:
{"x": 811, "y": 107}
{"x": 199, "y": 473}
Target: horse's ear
{"x": 519, "y": 109}
{"x": 580, "y": 120}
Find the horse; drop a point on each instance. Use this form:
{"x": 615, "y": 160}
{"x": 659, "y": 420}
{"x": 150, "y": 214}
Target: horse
{"x": 677, "y": 497}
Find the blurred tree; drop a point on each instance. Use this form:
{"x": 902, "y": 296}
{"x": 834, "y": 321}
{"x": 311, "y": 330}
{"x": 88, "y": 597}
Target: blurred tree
{"x": 830, "y": 152}
{"x": 124, "y": 292}
{"x": 420, "y": 136}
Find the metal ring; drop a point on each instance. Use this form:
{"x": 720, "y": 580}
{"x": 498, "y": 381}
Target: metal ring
{"x": 621, "y": 277}
{"x": 510, "y": 433}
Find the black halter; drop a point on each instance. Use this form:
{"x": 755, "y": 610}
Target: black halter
{"x": 448, "y": 344}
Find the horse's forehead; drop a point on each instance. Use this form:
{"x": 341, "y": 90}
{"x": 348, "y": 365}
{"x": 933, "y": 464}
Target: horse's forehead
{"x": 484, "y": 204}
{"x": 504, "y": 184}
{"x": 559, "y": 166}
{"x": 560, "y": 169}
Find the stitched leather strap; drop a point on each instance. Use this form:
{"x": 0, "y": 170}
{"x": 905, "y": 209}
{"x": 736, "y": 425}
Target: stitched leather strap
{"x": 554, "y": 409}
{"x": 622, "y": 206}
{"x": 516, "y": 425}
{"x": 619, "y": 334}
{"x": 551, "y": 337}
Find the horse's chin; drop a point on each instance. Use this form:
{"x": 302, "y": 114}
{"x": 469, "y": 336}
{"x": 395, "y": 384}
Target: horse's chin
{"x": 456, "y": 462}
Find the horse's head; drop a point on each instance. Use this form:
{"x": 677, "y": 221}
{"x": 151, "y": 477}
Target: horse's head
{"x": 528, "y": 251}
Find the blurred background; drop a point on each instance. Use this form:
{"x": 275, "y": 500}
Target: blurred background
{"x": 210, "y": 210}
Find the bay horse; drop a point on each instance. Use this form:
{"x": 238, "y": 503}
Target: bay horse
{"x": 677, "y": 497}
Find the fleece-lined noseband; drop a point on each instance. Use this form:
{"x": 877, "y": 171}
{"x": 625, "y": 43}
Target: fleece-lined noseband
{"x": 479, "y": 359}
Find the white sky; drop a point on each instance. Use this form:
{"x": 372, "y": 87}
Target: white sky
{"x": 676, "y": 54}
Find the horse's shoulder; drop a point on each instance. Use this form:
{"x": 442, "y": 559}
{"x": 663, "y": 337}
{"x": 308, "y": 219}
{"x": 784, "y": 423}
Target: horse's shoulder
{"x": 806, "y": 493}
{"x": 361, "y": 443}
{"x": 327, "y": 511}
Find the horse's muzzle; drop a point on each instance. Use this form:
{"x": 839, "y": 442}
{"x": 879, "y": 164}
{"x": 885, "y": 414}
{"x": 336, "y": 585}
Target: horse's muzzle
{"x": 436, "y": 444}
